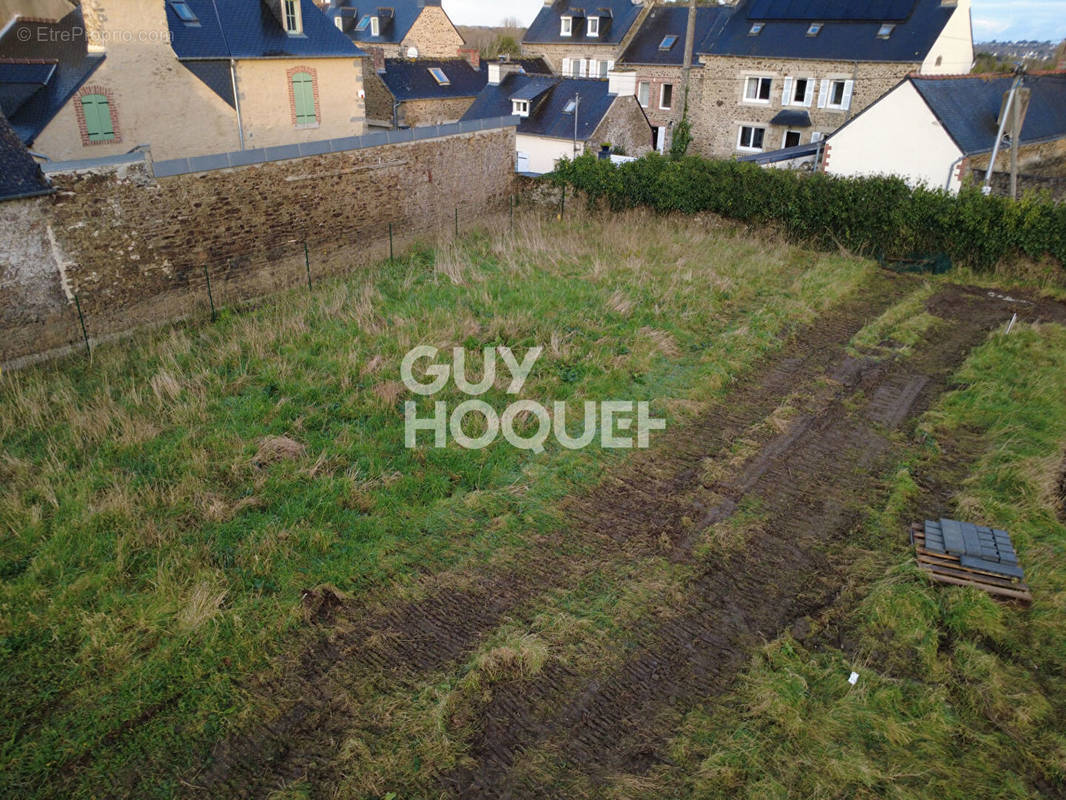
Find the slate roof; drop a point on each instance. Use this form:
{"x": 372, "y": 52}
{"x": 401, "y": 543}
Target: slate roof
{"x": 247, "y": 29}
{"x": 968, "y": 107}
{"x": 849, "y": 32}
{"x": 393, "y": 26}
{"x": 410, "y": 79}
{"x": 20, "y": 176}
{"x": 665, "y": 21}
{"x": 616, "y": 18}
{"x": 42, "y": 65}
{"x": 531, "y": 66}
{"x": 546, "y": 117}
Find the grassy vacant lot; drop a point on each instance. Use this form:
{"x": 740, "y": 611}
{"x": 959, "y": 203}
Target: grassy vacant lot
{"x": 165, "y": 553}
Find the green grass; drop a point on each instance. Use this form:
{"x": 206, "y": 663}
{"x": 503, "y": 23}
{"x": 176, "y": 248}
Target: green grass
{"x": 153, "y": 554}
{"x": 959, "y": 695}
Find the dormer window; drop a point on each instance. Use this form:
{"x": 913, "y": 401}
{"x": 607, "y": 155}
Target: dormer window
{"x": 439, "y": 76}
{"x": 667, "y": 42}
{"x": 756, "y": 28}
{"x": 814, "y": 29}
{"x": 339, "y": 22}
{"x": 290, "y": 14}
{"x": 375, "y": 26}
{"x": 567, "y": 26}
{"x": 593, "y": 27}
{"x": 364, "y": 23}
{"x": 520, "y": 108}
{"x": 885, "y": 30}
{"x": 185, "y": 14}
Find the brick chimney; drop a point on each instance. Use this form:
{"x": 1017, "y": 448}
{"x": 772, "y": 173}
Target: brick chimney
{"x": 472, "y": 56}
{"x": 377, "y": 57}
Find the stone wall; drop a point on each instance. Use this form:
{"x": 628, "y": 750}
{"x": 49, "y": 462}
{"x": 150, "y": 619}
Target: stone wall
{"x": 433, "y": 34}
{"x": 718, "y": 109}
{"x": 624, "y": 126}
{"x": 434, "y": 112}
{"x": 135, "y": 249}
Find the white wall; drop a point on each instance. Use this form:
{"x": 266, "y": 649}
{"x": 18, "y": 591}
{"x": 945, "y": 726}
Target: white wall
{"x": 954, "y": 47}
{"x": 543, "y": 151}
{"x": 897, "y": 135}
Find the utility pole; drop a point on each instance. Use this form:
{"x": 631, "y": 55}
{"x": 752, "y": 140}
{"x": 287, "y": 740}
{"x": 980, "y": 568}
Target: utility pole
{"x": 1008, "y": 113}
{"x": 577, "y": 108}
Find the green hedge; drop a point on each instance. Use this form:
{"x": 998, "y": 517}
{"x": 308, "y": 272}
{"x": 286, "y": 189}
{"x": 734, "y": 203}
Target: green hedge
{"x": 866, "y": 215}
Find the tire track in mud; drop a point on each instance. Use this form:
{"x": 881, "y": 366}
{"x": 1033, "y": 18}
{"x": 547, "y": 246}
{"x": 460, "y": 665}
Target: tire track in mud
{"x": 812, "y": 482}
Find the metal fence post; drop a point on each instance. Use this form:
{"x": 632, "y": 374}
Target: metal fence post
{"x": 210, "y": 297}
{"x": 307, "y": 264}
{"x": 390, "y": 241}
{"x": 562, "y": 202}
{"x": 81, "y": 319}
{"x": 457, "y": 222}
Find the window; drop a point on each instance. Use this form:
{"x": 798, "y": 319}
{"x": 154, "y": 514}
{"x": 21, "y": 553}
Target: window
{"x": 756, "y": 28}
{"x": 99, "y": 126}
{"x": 364, "y": 23}
{"x": 439, "y": 76}
{"x": 836, "y": 94}
{"x": 290, "y": 12}
{"x": 605, "y": 67}
{"x": 814, "y": 29}
{"x": 643, "y": 93}
{"x": 303, "y": 99}
{"x": 339, "y": 22}
{"x": 792, "y": 138}
{"x": 667, "y": 42}
{"x": 520, "y": 108}
{"x": 375, "y": 26}
{"x": 567, "y": 26}
{"x": 885, "y": 30}
{"x": 757, "y": 90}
{"x": 666, "y": 96}
{"x": 797, "y": 92}
{"x": 185, "y": 14}
{"x": 751, "y": 137}
{"x": 939, "y": 60}
{"x": 593, "y": 27}
{"x": 571, "y": 104}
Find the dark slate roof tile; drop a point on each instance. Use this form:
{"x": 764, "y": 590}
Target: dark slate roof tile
{"x": 1008, "y": 570}
{"x": 410, "y": 79}
{"x": 392, "y": 29}
{"x": 663, "y": 21}
{"x": 617, "y": 17}
{"x": 20, "y": 176}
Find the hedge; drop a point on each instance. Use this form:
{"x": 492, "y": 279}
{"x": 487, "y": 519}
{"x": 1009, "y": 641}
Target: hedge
{"x": 878, "y": 215}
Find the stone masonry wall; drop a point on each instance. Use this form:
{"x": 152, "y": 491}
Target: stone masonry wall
{"x": 134, "y": 249}
{"x": 624, "y": 126}
{"x": 433, "y": 34}
{"x": 434, "y": 112}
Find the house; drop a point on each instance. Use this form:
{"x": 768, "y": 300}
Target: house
{"x": 584, "y": 41}
{"x": 403, "y": 29}
{"x": 425, "y": 91}
{"x": 20, "y": 175}
{"x": 655, "y": 57}
{"x": 192, "y": 77}
{"x": 782, "y": 73}
{"x": 932, "y": 130}
{"x": 561, "y": 117}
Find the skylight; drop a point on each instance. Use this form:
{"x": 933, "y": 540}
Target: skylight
{"x": 364, "y": 23}
{"x": 814, "y": 29}
{"x": 570, "y": 106}
{"x": 185, "y": 14}
{"x": 886, "y": 30}
{"x": 439, "y": 76}
{"x": 667, "y": 42}
{"x": 756, "y": 28}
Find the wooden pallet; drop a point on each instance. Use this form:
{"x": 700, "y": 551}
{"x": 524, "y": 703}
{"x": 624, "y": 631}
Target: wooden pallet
{"x": 945, "y": 568}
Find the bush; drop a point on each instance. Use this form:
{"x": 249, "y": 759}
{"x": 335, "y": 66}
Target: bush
{"x": 878, "y": 215}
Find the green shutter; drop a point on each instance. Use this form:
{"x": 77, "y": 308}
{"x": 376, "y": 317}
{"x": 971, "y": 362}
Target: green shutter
{"x": 303, "y": 93}
{"x": 98, "y": 123}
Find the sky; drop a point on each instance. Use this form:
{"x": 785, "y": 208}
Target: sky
{"x": 992, "y": 19}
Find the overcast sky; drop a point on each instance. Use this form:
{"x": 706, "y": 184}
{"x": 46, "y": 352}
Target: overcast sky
{"x": 992, "y": 19}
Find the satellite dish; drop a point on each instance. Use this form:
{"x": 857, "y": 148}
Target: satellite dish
{"x": 412, "y": 52}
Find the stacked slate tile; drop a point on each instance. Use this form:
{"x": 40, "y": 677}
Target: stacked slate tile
{"x": 977, "y": 547}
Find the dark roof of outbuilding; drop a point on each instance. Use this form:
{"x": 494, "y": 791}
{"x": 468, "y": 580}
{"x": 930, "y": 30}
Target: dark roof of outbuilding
{"x": 848, "y": 33}
{"x": 42, "y": 65}
{"x": 546, "y": 115}
{"x": 397, "y": 20}
{"x": 20, "y": 176}
{"x": 616, "y": 18}
{"x": 784, "y": 154}
{"x": 245, "y": 29}
{"x": 968, "y": 107}
{"x": 411, "y": 79}
{"x": 665, "y": 21}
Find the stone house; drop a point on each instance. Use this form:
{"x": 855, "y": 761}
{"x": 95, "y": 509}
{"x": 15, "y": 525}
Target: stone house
{"x": 932, "y": 130}
{"x": 426, "y": 91}
{"x": 561, "y": 117}
{"x": 193, "y": 77}
{"x": 781, "y": 73}
{"x": 403, "y": 29}
{"x": 584, "y": 42}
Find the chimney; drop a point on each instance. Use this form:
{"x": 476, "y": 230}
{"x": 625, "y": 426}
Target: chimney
{"x": 377, "y": 57}
{"x": 498, "y": 70}
{"x": 472, "y": 56}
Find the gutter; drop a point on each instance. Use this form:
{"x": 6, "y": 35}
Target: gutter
{"x": 26, "y": 195}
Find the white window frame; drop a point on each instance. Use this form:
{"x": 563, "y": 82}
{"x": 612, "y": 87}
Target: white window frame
{"x": 566, "y": 26}
{"x": 790, "y": 87}
{"x": 828, "y": 89}
{"x": 593, "y": 27}
{"x": 749, "y": 148}
{"x": 885, "y": 31}
{"x": 297, "y": 16}
{"x": 784, "y": 137}
{"x": 375, "y": 26}
{"x": 339, "y": 22}
{"x": 647, "y": 98}
{"x": 520, "y": 108}
{"x": 662, "y": 96}
{"x": 815, "y": 28}
{"x": 442, "y": 79}
{"x": 757, "y": 100}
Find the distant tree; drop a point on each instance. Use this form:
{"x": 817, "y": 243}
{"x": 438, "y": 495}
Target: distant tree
{"x": 504, "y": 45}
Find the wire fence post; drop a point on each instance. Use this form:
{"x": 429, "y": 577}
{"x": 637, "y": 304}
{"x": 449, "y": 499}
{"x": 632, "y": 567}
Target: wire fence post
{"x": 81, "y": 319}
{"x": 307, "y": 264}
{"x": 562, "y": 202}
{"x": 210, "y": 296}
{"x": 390, "y": 241}
{"x": 511, "y": 206}
{"x": 457, "y": 222}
